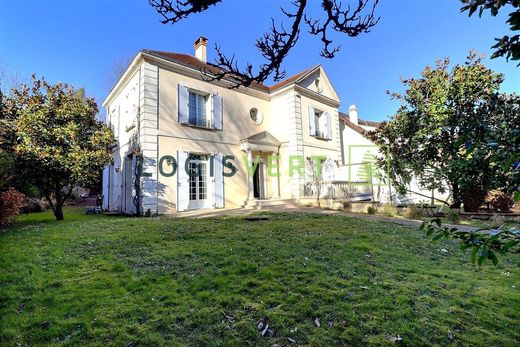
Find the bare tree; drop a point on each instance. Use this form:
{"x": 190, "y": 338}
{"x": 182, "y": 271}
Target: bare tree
{"x": 117, "y": 70}
{"x": 8, "y": 80}
{"x": 275, "y": 45}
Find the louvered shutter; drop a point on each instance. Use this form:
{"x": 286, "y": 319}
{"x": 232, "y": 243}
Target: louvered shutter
{"x": 217, "y": 111}
{"x": 182, "y": 104}
{"x": 219, "y": 181}
{"x": 329, "y": 126}
{"x": 312, "y": 122}
{"x": 183, "y": 184}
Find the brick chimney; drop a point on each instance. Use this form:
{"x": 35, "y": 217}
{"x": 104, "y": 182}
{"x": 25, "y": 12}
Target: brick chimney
{"x": 200, "y": 46}
{"x": 352, "y": 114}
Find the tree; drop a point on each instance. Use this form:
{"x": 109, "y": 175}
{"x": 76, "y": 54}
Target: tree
{"x": 117, "y": 70}
{"x": 485, "y": 244}
{"x": 454, "y": 128}
{"x": 505, "y": 46}
{"x": 275, "y": 45}
{"x": 52, "y": 132}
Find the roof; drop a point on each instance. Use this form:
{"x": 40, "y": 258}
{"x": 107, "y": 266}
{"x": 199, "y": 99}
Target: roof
{"x": 357, "y": 127}
{"x": 262, "y": 138}
{"x": 195, "y": 63}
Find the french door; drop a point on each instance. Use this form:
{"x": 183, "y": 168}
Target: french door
{"x": 198, "y": 181}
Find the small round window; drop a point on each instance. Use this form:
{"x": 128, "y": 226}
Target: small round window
{"x": 255, "y": 115}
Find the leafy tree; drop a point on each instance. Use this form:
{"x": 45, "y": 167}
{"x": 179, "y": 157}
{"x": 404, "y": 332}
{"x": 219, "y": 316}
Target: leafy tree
{"x": 485, "y": 244}
{"x": 454, "y": 128}
{"x": 275, "y": 45}
{"x": 52, "y": 132}
{"x": 505, "y": 46}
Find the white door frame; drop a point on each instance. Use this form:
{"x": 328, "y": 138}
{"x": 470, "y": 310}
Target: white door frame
{"x": 199, "y": 188}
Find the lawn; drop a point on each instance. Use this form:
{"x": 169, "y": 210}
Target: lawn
{"x": 106, "y": 280}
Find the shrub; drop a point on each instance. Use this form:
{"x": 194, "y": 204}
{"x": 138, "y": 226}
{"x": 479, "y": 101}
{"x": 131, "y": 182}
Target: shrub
{"x": 473, "y": 198}
{"x": 500, "y": 201}
{"x": 33, "y": 205}
{"x": 453, "y": 216}
{"x": 497, "y": 220}
{"x": 11, "y": 202}
{"x": 388, "y": 210}
{"x": 371, "y": 210}
{"x": 413, "y": 212}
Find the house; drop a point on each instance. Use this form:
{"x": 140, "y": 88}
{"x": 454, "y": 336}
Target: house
{"x": 184, "y": 141}
{"x": 360, "y": 155}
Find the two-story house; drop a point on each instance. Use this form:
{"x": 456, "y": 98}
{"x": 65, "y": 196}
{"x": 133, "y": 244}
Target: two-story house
{"x": 195, "y": 143}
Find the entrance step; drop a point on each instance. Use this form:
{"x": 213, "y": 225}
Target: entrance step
{"x": 259, "y": 204}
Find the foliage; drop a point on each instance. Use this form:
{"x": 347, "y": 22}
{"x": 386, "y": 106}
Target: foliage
{"x": 497, "y": 220}
{"x": 11, "y": 202}
{"x": 276, "y": 44}
{"x": 371, "y": 210}
{"x": 413, "y": 212}
{"x": 453, "y": 216}
{"x": 484, "y": 243}
{"x": 32, "y": 205}
{"x": 500, "y": 201}
{"x": 454, "y": 128}
{"x": 388, "y": 210}
{"x": 505, "y": 46}
{"x": 210, "y": 281}
{"x": 52, "y": 132}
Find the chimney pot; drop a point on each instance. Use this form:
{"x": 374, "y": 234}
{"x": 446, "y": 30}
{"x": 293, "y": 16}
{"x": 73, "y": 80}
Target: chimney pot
{"x": 200, "y": 48}
{"x": 352, "y": 114}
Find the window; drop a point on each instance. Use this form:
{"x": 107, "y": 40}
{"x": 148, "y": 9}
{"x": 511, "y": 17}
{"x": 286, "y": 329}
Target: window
{"x": 197, "y": 110}
{"x": 320, "y": 123}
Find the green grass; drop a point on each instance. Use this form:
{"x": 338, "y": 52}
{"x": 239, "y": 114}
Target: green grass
{"x": 105, "y": 280}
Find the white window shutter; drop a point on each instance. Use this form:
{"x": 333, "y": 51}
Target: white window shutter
{"x": 329, "y": 126}
{"x": 106, "y": 186}
{"x": 182, "y": 182}
{"x": 182, "y": 103}
{"x": 217, "y": 111}
{"x": 312, "y": 122}
{"x": 219, "y": 180}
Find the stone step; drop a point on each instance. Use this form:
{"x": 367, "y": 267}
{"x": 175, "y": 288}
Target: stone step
{"x": 270, "y": 203}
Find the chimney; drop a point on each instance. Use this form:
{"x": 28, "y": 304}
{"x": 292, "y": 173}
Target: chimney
{"x": 352, "y": 114}
{"x": 200, "y": 48}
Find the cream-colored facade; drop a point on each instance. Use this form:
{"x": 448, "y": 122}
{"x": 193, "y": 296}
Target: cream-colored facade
{"x": 186, "y": 135}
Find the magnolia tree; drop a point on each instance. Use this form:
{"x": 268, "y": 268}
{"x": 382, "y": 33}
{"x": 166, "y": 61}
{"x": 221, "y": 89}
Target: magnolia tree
{"x": 454, "y": 128}
{"x": 52, "y": 132}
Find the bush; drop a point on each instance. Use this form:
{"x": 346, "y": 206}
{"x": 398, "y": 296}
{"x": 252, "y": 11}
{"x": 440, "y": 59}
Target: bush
{"x": 11, "y": 202}
{"x": 371, "y": 210}
{"x": 388, "y": 210}
{"x": 473, "y": 198}
{"x": 413, "y": 212}
{"x": 33, "y": 205}
{"x": 497, "y": 220}
{"x": 453, "y": 216}
{"x": 500, "y": 202}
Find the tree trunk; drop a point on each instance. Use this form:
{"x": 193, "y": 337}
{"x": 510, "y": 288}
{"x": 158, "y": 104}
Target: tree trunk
{"x": 58, "y": 212}
{"x": 456, "y": 196}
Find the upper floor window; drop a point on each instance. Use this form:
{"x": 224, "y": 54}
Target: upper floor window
{"x": 197, "y": 109}
{"x": 320, "y": 125}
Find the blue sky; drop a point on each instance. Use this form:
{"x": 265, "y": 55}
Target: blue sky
{"x": 78, "y": 41}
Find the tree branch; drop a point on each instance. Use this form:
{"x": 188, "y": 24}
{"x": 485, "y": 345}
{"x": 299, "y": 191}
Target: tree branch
{"x": 275, "y": 45}
{"x": 174, "y": 11}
